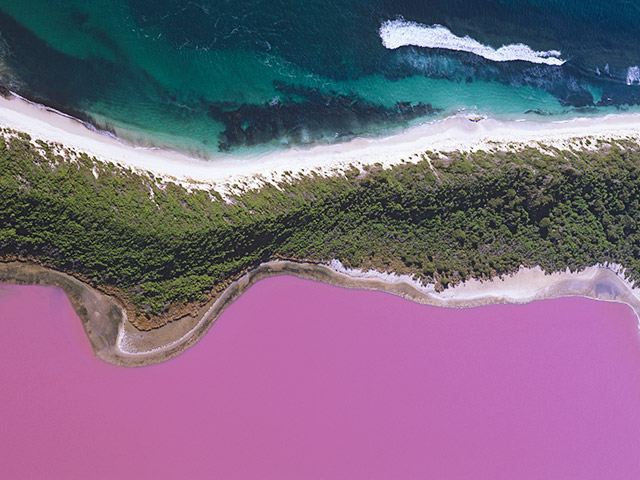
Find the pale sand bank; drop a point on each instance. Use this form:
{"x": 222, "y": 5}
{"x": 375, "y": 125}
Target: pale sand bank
{"x": 116, "y": 341}
{"x": 224, "y": 171}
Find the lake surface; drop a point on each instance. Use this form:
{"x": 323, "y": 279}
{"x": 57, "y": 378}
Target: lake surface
{"x": 299, "y": 380}
{"x": 246, "y": 77}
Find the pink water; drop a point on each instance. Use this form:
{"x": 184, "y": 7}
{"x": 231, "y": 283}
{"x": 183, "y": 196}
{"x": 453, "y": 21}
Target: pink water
{"x": 299, "y": 380}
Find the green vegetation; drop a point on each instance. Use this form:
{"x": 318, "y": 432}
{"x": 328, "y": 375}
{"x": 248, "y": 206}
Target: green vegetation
{"x": 157, "y": 246}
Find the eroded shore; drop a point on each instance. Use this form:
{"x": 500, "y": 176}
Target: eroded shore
{"x": 116, "y": 341}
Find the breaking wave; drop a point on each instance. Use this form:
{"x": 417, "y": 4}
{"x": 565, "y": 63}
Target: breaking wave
{"x": 399, "y": 33}
{"x": 633, "y": 76}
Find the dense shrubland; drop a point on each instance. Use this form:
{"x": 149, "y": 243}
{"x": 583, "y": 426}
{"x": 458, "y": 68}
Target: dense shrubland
{"x": 458, "y": 216}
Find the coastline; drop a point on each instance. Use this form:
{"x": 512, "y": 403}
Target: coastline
{"x": 116, "y": 341}
{"x": 234, "y": 174}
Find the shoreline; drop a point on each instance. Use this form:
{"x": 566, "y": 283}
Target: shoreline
{"x": 230, "y": 175}
{"x": 116, "y": 341}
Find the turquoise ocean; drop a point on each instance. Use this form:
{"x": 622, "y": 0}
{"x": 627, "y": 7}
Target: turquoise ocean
{"x": 245, "y": 77}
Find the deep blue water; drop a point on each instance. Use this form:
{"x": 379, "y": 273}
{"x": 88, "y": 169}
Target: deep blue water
{"x": 211, "y": 76}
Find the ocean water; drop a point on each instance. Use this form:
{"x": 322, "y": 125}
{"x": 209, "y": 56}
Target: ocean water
{"x": 299, "y": 380}
{"x": 236, "y": 76}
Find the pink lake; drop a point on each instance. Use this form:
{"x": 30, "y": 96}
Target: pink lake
{"x": 299, "y": 380}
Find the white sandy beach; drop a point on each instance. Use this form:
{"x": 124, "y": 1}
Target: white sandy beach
{"x": 222, "y": 173}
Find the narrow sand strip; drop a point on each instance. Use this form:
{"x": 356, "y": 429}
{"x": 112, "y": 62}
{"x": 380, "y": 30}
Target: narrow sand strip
{"x": 116, "y": 341}
{"x": 224, "y": 171}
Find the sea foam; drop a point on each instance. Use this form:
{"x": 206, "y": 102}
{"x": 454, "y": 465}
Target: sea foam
{"x": 399, "y": 33}
{"x": 633, "y": 76}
